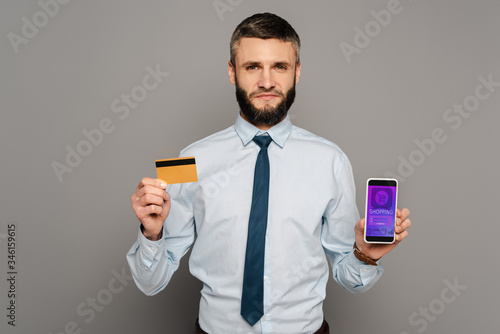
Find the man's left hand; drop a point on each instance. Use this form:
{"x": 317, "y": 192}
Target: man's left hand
{"x": 376, "y": 251}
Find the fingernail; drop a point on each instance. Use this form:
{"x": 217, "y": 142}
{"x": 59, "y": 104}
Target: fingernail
{"x": 163, "y": 185}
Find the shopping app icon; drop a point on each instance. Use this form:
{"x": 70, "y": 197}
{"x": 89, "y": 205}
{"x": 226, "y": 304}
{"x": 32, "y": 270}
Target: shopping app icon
{"x": 381, "y": 197}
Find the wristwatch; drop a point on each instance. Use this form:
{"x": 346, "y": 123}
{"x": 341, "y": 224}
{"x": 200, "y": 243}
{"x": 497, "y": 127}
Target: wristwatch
{"x": 362, "y": 257}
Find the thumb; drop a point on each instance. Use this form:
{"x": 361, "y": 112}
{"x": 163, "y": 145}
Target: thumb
{"x": 360, "y": 227}
{"x": 166, "y": 207}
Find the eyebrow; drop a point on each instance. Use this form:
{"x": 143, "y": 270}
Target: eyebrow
{"x": 258, "y": 63}
{"x": 282, "y": 63}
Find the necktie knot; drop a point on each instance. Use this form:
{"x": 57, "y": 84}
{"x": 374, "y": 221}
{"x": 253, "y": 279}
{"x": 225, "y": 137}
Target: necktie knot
{"x": 262, "y": 141}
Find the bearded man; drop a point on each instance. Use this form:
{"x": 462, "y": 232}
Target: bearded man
{"x": 262, "y": 241}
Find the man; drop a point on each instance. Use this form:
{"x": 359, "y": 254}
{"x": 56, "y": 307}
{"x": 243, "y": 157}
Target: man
{"x": 287, "y": 204}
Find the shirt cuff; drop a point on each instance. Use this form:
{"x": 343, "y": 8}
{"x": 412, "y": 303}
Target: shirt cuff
{"x": 367, "y": 272}
{"x": 149, "y": 248}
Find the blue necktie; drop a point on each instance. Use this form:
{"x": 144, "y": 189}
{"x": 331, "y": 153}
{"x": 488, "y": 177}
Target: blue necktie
{"x": 252, "y": 298}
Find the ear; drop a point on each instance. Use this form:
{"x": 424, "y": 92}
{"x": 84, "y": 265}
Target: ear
{"x": 297, "y": 73}
{"x": 231, "y": 72}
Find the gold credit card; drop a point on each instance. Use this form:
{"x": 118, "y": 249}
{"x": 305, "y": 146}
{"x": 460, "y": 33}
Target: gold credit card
{"x": 178, "y": 170}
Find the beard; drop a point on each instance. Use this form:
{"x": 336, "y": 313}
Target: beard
{"x": 267, "y": 115}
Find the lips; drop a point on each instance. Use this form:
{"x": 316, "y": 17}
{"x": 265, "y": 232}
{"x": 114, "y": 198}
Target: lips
{"x": 266, "y": 97}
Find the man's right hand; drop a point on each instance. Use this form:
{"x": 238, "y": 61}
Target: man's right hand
{"x": 151, "y": 204}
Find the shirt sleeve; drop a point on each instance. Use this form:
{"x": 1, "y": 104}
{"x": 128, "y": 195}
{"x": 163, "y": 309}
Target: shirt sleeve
{"x": 153, "y": 263}
{"x": 337, "y": 236}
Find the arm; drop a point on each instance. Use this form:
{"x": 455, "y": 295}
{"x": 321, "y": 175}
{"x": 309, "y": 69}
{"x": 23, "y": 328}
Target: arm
{"x": 167, "y": 232}
{"x": 338, "y": 235}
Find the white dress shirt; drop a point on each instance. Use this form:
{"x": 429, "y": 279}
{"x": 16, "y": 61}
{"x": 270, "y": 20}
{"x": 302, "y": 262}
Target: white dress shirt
{"x": 312, "y": 213}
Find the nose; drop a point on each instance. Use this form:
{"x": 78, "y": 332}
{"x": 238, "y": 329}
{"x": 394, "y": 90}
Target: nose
{"x": 266, "y": 79}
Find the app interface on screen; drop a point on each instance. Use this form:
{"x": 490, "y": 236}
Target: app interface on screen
{"x": 381, "y": 211}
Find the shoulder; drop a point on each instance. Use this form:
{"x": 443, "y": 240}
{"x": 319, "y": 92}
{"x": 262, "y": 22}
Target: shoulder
{"x": 315, "y": 148}
{"x": 312, "y": 140}
{"x": 209, "y": 141}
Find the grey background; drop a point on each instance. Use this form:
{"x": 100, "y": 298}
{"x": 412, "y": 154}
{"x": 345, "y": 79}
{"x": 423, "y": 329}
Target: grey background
{"x": 72, "y": 235}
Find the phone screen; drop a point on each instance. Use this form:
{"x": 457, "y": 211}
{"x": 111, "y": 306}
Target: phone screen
{"x": 381, "y": 209}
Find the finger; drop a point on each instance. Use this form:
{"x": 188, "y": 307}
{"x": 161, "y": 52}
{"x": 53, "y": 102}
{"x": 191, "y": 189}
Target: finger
{"x": 359, "y": 227}
{"x": 151, "y": 199}
{"x": 406, "y": 224}
{"x": 146, "y": 211}
{"x": 166, "y": 208}
{"x": 152, "y": 182}
{"x": 145, "y": 200}
{"x": 402, "y": 226}
{"x": 403, "y": 214}
{"x": 150, "y": 189}
{"x": 359, "y": 224}
{"x": 144, "y": 181}
{"x": 134, "y": 198}
{"x": 400, "y": 236}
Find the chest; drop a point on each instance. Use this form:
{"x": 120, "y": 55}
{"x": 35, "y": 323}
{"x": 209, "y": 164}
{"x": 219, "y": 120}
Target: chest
{"x": 301, "y": 186}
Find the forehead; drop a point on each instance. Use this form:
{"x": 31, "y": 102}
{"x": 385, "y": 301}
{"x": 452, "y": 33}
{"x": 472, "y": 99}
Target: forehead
{"x": 264, "y": 50}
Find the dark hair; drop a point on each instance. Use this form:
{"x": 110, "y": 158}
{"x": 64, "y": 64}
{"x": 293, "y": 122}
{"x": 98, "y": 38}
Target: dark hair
{"x": 265, "y": 26}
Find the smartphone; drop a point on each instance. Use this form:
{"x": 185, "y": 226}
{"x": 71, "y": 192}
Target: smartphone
{"x": 380, "y": 212}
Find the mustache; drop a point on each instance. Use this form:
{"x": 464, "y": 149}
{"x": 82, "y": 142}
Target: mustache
{"x": 263, "y": 90}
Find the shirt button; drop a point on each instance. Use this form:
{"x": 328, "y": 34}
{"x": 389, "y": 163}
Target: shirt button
{"x": 266, "y": 317}
{"x": 266, "y": 278}
{"x": 145, "y": 268}
{"x": 153, "y": 249}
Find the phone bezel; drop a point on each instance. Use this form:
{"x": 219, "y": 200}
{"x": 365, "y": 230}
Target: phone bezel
{"x": 380, "y": 182}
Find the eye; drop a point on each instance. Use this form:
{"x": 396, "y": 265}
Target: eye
{"x": 281, "y": 67}
{"x": 252, "y": 67}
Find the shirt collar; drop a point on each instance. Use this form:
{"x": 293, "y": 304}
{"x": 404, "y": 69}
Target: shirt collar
{"x": 279, "y": 133}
